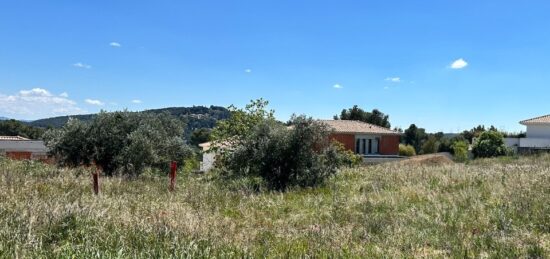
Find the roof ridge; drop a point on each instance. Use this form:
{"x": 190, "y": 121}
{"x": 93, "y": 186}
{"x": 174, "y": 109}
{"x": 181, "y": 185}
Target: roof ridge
{"x": 536, "y": 118}
{"x": 359, "y": 124}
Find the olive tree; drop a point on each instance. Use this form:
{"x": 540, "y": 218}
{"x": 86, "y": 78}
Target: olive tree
{"x": 283, "y": 156}
{"x": 120, "y": 142}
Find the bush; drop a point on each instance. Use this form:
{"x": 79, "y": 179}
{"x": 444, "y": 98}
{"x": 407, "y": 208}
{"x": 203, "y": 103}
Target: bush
{"x": 120, "y": 142}
{"x": 430, "y": 146}
{"x": 460, "y": 151}
{"x": 406, "y": 150}
{"x": 346, "y": 156}
{"x": 489, "y": 144}
{"x": 284, "y": 157}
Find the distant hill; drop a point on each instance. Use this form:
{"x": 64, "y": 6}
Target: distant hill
{"x": 194, "y": 117}
{"x": 4, "y": 118}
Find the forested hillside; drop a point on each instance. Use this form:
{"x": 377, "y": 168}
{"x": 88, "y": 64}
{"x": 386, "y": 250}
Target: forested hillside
{"x": 195, "y": 117}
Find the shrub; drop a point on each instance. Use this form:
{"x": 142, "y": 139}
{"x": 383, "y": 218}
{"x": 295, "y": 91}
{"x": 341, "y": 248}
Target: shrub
{"x": 430, "y": 146}
{"x": 300, "y": 156}
{"x": 489, "y": 144}
{"x": 346, "y": 156}
{"x": 460, "y": 151}
{"x": 406, "y": 150}
{"x": 120, "y": 142}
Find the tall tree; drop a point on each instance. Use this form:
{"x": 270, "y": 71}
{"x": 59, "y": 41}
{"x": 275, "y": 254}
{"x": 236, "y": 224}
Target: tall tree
{"x": 375, "y": 117}
{"x": 415, "y": 137}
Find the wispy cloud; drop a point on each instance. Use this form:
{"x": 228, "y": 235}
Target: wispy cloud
{"x": 337, "y": 86}
{"x": 393, "y": 79}
{"x": 248, "y": 70}
{"x": 136, "y": 101}
{"x": 115, "y": 44}
{"x": 94, "y": 102}
{"x": 82, "y": 65}
{"x": 459, "y": 64}
{"x": 37, "y": 103}
{"x": 64, "y": 94}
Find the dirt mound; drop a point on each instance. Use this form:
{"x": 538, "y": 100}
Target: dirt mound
{"x": 432, "y": 159}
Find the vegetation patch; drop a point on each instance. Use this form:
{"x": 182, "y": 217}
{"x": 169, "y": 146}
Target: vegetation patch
{"x": 487, "y": 208}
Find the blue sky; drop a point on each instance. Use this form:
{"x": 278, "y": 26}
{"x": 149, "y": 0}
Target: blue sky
{"x": 305, "y": 57}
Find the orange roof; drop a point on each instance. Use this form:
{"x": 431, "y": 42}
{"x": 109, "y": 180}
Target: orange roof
{"x": 538, "y": 120}
{"x": 357, "y": 127}
{"x": 13, "y": 138}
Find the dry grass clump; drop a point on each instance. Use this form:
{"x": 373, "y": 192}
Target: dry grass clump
{"x": 493, "y": 207}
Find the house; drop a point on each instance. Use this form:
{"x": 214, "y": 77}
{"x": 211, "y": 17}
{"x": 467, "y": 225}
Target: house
{"x": 368, "y": 140}
{"x": 16, "y": 147}
{"x": 374, "y": 143}
{"x": 538, "y": 136}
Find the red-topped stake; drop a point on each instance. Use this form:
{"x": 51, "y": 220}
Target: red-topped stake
{"x": 173, "y": 169}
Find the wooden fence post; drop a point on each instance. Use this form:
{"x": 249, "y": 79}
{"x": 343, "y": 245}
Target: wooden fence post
{"x": 173, "y": 169}
{"x": 95, "y": 177}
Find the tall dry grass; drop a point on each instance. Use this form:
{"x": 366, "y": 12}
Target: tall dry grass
{"x": 493, "y": 207}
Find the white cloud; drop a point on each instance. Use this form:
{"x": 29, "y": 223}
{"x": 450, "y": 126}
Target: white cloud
{"x": 136, "y": 101}
{"x": 94, "y": 102}
{"x": 64, "y": 94}
{"x": 37, "y": 103}
{"x": 82, "y": 65}
{"x": 393, "y": 79}
{"x": 115, "y": 44}
{"x": 248, "y": 70}
{"x": 35, "y": 92}
{"x": 338, "y": 86}
{"x": 459, "y": 64}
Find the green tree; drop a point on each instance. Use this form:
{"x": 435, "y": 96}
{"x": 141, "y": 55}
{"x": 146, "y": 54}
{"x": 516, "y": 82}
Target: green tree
{"x": 120, "y": 142}
{"x": 489, "y": 144}
{"x": 199, "y": 136}
{"x": 298, "y": 156}
{"x": 430, "y": 146}
{"x": 375, "y": 117}
{"x": 415, "y": 137}
{"x": 242, "y": 122}
{"x": 460, "y": 151}
{"x": 70, "y": 144}
{"x": 252, "y": 144}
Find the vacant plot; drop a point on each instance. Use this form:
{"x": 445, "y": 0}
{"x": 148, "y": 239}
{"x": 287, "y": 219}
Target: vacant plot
{"x": 494, "y": 207}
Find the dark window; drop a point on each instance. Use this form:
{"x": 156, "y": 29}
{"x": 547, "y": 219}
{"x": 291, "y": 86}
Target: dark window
{"x": 357, "y": 144}
{"x": 370, "y": 146}
{"x": 364, "y": 146}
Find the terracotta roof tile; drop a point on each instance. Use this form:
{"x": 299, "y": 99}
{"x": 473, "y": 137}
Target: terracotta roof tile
{"x": 350, "y": 126}
{"x": 538, "y": 120}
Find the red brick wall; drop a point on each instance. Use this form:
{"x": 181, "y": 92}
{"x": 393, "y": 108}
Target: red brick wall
{"x": 389, "y": 145}
{"x": 347, "y": 139}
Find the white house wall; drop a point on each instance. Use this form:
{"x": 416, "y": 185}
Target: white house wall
{"x": 22, "y": 146}
{"x": 208, "y": 159}
{"x": 538, "y": 131}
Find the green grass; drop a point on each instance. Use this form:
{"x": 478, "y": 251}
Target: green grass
{"x": 496, "y": 208}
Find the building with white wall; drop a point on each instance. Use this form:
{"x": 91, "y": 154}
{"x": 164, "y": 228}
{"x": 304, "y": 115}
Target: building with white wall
{"x": 538, "y": 135}
{"x": 19, "y": 148}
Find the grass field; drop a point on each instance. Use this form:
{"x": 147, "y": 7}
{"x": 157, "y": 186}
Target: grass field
{"x": 488, "y": 208}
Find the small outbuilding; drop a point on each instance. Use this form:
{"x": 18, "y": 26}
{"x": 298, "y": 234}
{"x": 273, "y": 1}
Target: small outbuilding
{"x": 20, "y": 148}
